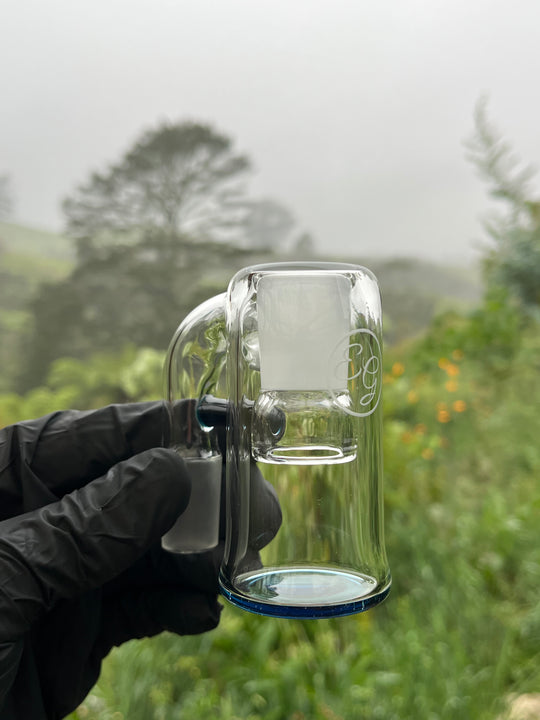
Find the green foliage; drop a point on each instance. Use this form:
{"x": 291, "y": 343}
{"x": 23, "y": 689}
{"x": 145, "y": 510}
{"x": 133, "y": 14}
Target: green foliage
{"x": 490, "y": 334}
{"x": 513, "y": 261}
{"x": 516, "y": 265}
{"x": 459, "y": 635}
{"x": 132, "y": 375}
{"x": 496, "y": 163}
{"x": 28, "y": 258}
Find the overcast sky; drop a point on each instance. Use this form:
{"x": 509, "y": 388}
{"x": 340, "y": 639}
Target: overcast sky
{"x": 353, "y": 112}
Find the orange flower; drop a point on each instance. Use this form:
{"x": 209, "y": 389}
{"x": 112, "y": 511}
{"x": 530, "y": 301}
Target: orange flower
{"x": 459, "y": 406}
{"x": 420, "y": 429}
{"x": 412, "y": 397}
{"x": 458, "y": 354}
{"x": 398, "y": 369}
{"x": 452, "y": 370}
{"x": 427, "y": 453}
{"x": 451, "y": 385}
{"x": 443, "y": 416}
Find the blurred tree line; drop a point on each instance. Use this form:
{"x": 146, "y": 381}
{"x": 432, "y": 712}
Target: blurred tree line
{"x": 169, "y": 223}
{"x": 155, "y": 234}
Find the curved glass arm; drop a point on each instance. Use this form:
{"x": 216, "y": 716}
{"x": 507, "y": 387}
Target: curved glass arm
{"x": 193, "y": 371}
{"x": 197, "y": 352}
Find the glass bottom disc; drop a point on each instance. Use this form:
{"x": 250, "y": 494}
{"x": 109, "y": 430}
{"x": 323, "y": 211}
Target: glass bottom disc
{"x": 304, "y": 592}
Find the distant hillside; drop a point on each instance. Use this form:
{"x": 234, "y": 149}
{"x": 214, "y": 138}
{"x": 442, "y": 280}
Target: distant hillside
{"x": 28, "y": 257}
{"x": 32, "y": 241}
{"x": 430, "y": 278}
{"x": 415, "y": 290}
{"x": 33, "y": 256}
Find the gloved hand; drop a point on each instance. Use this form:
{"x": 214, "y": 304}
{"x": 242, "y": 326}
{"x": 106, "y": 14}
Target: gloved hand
{"x": 84, "y": 500}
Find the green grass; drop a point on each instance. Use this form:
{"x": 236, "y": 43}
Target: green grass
{"x": 34, "y": 242}
{"x": 460, "y": 632}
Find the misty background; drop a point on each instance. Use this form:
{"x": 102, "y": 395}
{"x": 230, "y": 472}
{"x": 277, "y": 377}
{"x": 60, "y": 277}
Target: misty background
{"x": 353, "y": 113}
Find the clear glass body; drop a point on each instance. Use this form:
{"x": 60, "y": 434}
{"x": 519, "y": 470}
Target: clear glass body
{"x": 304, "y": 382}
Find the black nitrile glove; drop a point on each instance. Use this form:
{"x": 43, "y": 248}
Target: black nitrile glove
{"x": 84, "y": 500}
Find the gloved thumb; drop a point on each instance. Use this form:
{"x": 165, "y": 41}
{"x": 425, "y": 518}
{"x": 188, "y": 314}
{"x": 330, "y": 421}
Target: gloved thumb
{"x": 88, "y": 537}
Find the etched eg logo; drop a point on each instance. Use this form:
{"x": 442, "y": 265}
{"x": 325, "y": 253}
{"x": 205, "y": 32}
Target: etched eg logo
{"x": 355, "y": 366}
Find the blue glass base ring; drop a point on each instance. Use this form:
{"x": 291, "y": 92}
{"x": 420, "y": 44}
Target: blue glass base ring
{"x": 304, "y": 592}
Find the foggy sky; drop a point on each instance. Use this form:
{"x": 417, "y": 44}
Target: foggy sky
{"x": 353, "y": 112}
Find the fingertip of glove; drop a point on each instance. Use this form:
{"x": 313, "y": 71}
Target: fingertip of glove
{"x": 170, "y": 469}
{"x": 191, "y": 613}
{"x": 215, "y": 609}
{"x": 218, "y": 609}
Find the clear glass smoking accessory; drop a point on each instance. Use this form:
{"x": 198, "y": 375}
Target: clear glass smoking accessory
{"x": 300, "y": 349}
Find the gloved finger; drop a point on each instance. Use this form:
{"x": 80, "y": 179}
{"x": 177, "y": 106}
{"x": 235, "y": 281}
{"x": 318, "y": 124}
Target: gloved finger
{"x": 41, "y": 460}
{"x": 76, "y": 635}
{"x": 61, "y": 651}
{"x": 75, "y": 447}
{"x": 193, "y": 572}
{"x": 88, "y": 537}
{"x": 10, "y": 657}
{"x": 265, "y": 515}
{"x": 145, "y": 613}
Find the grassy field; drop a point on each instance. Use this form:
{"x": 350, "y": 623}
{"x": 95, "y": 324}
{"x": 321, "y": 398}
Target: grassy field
{"x": 459, "y": 635}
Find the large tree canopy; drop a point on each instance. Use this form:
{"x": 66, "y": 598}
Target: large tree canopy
{"x": 183, "y": 178}
{"x": 158, "y": 232}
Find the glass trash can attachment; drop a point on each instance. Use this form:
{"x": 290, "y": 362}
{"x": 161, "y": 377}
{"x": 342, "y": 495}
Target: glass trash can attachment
{"x": 290, "y": 361}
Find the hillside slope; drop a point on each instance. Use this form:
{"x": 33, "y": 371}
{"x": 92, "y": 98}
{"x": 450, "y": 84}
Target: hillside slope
{"x": 34, "y": 242}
